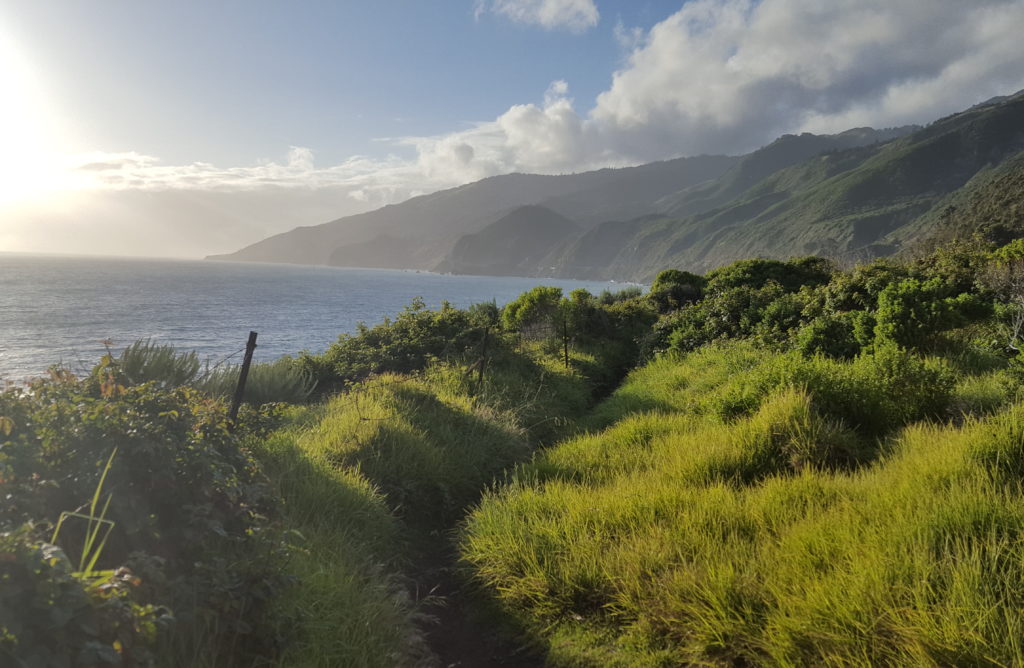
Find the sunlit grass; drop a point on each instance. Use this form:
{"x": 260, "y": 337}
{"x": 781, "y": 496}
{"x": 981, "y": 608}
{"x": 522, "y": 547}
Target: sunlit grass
{"x": 372, "y": 473}
{"x": 690, "y": 533}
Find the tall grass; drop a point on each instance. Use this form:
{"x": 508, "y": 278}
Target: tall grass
{"x": 350, "y": 605}
{"x": 873, "y": 394}
{"x": 145, "y": 361}
{"x": 373, "y": 474}
{"x": 283, "y": 380}
{"x": 689, "y": 532}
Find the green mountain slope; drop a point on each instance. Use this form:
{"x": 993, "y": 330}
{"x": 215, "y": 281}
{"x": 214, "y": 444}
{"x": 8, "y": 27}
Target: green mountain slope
{"x": 852, "y": 204}
{"x": 852, "y": 196}
{"x": 432, "y": 224}
{"x": 512, "y": 245}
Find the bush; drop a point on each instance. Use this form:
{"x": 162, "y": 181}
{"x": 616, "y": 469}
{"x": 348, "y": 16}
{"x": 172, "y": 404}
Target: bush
{"x": 756, "y": 274}
{"x": 409, "y": 343}
{"x": 912, "y": 313}
{"x": 192, "y": 513}
{"x": 836, "y": 335}
{"x": 734, "y": 312}
{"x": 534, "y": 313}
{"x": 673, "y": 289}
{"x": 50, "y": 616}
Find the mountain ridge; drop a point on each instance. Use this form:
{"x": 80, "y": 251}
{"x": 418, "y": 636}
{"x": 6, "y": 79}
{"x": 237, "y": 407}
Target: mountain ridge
{"x": 854, "y": 195}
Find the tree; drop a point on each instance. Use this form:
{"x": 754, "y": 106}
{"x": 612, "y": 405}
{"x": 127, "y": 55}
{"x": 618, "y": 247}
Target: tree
{"x": 673, "y": 289}
{"x": 534, "y": 313}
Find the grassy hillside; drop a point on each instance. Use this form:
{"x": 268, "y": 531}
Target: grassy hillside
{"x": 802, "y": 466}
{"x": 990, "y": 204}
{"x": 819, "y": 470}
{"x": 677, "y": 537}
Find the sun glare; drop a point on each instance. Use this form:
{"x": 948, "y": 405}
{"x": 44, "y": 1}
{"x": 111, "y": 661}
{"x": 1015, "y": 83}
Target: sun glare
{"x": 31, "y": 162}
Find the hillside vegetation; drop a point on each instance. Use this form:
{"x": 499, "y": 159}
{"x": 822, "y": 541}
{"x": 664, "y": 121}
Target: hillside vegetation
{"x": 773, "y": 463}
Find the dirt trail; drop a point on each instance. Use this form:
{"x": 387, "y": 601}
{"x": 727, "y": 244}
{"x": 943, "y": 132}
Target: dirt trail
{"x": 466, "y": 634}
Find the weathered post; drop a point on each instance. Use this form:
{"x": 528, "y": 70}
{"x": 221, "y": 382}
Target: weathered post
{"x": 565, "y": 340}
{"x": 236, "y": 402}
{"x": 483, "y": 360}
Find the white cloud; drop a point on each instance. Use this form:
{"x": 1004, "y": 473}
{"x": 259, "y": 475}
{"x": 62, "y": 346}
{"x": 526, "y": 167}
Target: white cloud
{"x": 572, "y": 15}
{"x": 628, "y": 39}
{"x": 716, "y": 76}
{"x": 729, "y": 75}
{"x": 726, "y": 76}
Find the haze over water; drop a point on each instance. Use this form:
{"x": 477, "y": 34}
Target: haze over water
{"x": 60, "y": 309}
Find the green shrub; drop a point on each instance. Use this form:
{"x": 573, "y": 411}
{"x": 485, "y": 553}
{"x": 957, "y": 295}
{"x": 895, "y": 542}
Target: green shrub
{"x": 673, "y": 289}
{"x": 51, "y": 617}
{"x": 408, "y": 343}
{"x": 756, "y": 274}
{"x": 833, "y": 335}
{"x": 536, "y": 314}
{"x": 912, "y": 313}
{"x": 191, "y": 510}
{"x": 859, "y": 289}
{"x": 608, "y": 297}
{"x": 734, "y": 312}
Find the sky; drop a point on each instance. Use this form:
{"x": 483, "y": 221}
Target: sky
{"x": 192, "y": 127}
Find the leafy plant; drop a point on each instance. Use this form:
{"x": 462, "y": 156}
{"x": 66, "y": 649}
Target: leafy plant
{"x": 92, "y": 546}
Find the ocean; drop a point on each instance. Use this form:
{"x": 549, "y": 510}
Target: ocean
{"x": 61, "y": 310}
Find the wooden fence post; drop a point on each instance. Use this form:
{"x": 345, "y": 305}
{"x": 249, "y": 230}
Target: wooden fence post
{"x": 565, "y": 340}
{"x": 236, "y": 402}
{"x": 483, "y": 359}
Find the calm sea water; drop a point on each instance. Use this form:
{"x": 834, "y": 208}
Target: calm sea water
{"x": 60, "y": 309}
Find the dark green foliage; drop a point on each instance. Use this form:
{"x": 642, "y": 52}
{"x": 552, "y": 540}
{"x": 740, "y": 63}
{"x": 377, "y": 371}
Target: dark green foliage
{"x": 607, "y": 297}
{"x": 727, "y": 313}
{"x": 535, "y": 314}
{"x": 859, "y": 289}
{"x": 912, "y": 313}
{"x": 403, "y": 345}
{"x": 836, "y": 335}
{"x": 673, "y": 289}
{"x": 613, "y": 333}
{"x": 191, "y": 511}
{"x": 52, "y": 617}
{"x": 756, "y": 274}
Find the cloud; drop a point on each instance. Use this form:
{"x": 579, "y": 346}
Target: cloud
{"x": 717, "y": 76}
{"x": 573, "y": 15}
{"x": 628, "y": 38}
{"x": 727, "y": 76}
